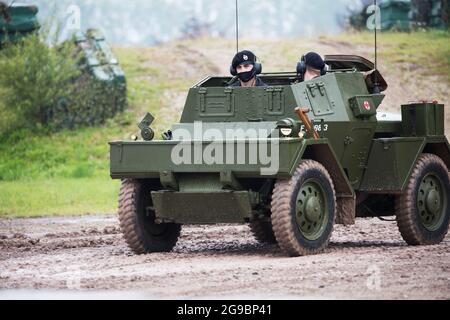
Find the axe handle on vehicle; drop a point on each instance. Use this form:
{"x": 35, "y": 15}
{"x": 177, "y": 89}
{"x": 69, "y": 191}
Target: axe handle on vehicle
{"x": 303, "y": 114}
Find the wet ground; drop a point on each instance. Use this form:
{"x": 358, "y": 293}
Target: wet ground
{"x": 86, "y": 257}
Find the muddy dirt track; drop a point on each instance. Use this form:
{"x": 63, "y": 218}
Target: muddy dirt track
{"x": 86, "y": 257}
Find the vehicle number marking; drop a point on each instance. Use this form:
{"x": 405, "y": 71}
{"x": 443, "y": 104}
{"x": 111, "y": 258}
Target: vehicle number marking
{"x": 318, "y": 128}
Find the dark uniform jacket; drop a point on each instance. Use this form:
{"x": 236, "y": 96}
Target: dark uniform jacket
{"x": 259, "y": 83}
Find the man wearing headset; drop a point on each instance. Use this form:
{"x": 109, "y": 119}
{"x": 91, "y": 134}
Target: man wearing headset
{"x": 311, "y": 66}
{"x": 246, "y": 67}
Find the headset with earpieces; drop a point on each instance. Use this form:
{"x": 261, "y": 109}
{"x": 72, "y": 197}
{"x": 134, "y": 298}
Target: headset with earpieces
{"x": 301, "y": 68}
{"x": 257, "y": 66}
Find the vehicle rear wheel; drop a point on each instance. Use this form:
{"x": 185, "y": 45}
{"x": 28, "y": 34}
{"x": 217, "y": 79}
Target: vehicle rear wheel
{"x": 137, "y": 220}
{"x": 423, "y": 211}
{"x": 304, "y": 210}
{"x": 263, "y": 232}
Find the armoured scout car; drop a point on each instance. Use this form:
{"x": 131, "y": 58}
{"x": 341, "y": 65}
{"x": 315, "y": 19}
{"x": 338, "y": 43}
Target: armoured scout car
{"x": 336, "y": 159}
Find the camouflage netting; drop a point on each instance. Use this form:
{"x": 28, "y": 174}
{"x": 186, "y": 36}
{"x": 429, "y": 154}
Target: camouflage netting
{"x": 100, "y": 101}
{"x": 101, "y": 91}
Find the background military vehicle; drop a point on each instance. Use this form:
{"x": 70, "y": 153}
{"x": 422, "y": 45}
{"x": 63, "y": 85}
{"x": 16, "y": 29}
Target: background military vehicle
{"x": 340, "y": 160}
{"x": 17, "y": 21}
{"x": 102, "y": 76}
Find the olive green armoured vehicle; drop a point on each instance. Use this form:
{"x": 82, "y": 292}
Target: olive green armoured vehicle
{"x": 292, "y": 160}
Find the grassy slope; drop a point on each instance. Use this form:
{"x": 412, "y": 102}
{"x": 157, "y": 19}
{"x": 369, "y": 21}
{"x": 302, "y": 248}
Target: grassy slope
{"x": 67, "y": 173}
{"x": 430, "y": 50}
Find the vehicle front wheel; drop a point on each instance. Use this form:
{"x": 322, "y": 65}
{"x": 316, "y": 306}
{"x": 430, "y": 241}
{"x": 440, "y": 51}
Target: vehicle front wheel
{"x": 137, "y": 220}
{"x": 304, "y": 210}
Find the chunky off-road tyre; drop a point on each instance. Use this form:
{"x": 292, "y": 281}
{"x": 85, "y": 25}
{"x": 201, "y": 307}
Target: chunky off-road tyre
{"x": 137, "y": 220}
{"x": 263, "y": 232}
{"x": 304, "y": 210}
{"x": 422, "y": 210}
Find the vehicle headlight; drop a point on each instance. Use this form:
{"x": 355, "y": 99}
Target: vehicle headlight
{"x": 288, "y": 128}
{"x": 286, "y": 132}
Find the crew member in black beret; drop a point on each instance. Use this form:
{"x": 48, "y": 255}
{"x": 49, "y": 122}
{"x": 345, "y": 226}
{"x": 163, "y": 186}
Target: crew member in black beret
{"x": 246, "y": 67}
{"x": 311, "y": 66}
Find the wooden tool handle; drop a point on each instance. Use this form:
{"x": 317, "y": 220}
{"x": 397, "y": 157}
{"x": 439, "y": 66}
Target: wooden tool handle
{"x": 303, "y": 114}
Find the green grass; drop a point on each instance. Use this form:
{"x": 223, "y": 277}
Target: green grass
{"x": 68, "y": 154}
{"x": 58, "y": 196}
{"x": 429, "y": 49}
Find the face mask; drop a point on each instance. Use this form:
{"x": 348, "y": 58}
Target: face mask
{"x": 247, "y": 76}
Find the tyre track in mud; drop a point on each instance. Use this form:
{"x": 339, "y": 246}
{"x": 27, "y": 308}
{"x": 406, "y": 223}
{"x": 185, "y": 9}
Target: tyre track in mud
{"x": 368, "y": 261}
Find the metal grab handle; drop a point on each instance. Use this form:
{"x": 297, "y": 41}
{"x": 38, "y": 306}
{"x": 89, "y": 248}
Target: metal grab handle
{"x": 303, "y": 114}
{"x": 255, "y": 119}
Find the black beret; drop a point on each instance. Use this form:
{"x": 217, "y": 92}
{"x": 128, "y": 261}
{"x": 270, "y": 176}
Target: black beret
{"x": 243, "y": 57}
{"x": 314, "y": 60}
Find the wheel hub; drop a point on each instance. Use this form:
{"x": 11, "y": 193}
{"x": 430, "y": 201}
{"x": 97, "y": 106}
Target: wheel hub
{"x": 433, "y": 201}
{"x": 313, "y": 209}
